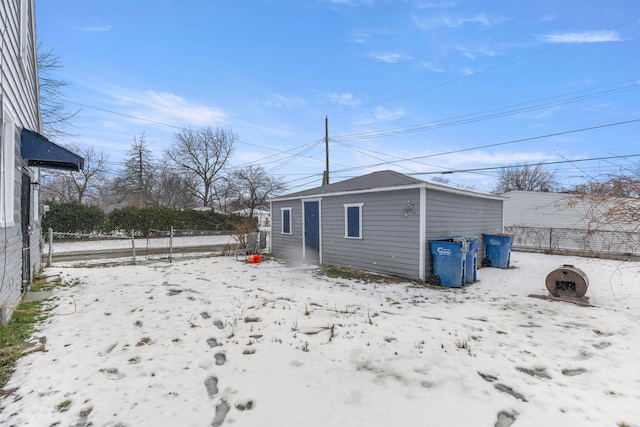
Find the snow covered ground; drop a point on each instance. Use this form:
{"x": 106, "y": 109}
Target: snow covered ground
{"x": 215, "y": 341}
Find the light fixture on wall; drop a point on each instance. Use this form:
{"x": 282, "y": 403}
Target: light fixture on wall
{"x": 36, "y": 186}
{"x": 407, "y": 210}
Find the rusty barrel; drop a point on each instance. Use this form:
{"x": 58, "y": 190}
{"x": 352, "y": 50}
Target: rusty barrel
{"x": 567, "y": 281}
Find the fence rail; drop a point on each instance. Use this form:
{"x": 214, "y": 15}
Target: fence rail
{"x": 571, "y": 241}
{"x": 158, "y": 244}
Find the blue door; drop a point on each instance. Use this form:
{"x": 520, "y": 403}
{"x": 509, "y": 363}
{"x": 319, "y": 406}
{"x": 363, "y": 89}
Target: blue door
{"x": 312, "y": 230}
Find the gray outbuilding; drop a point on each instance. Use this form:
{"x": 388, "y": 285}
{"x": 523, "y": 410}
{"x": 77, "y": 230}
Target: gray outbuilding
{"x": 381, "y": 222}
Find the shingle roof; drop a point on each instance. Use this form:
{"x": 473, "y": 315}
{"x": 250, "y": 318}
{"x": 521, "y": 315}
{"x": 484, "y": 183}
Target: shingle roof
{"x": 381, "y": 179}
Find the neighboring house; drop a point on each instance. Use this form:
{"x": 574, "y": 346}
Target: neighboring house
{"x": 23, "y": 150}
{"x": 569, "y": 223}
{"x": 381, "y": 222}
{"x": 262, "y": 217}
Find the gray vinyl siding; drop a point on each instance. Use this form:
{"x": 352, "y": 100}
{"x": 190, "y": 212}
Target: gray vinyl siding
{"x": 390, "y": 242}
{"x": 391, "y": 238}
{"x": 286, "y": 246}
{"x": 451, "y": 214}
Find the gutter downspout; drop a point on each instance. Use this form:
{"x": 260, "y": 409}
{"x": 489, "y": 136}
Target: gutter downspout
{"x": 423, "y": 233}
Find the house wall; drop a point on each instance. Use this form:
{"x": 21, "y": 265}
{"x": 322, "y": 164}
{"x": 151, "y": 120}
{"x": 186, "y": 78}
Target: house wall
{"x": 287, "y": 246}
{"x": 19, "y": 95}
{"x": 561, "y": 223}
{"x": 452, "y": 214}
{"x": 559, "y": 210}
{"x": 390, "y": 242}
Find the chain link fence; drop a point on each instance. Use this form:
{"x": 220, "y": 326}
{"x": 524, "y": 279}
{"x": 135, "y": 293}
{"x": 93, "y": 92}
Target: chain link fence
{"x": 572, "y": 241}
{"x": 157, "y": 245}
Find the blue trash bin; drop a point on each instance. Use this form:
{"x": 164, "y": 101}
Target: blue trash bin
{"x": 498, "y": 249}
{"x": 471, "y": 273}
{"x": 449, "y": 258}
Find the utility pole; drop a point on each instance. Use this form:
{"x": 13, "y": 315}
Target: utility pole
{"x": 325, "y": 179}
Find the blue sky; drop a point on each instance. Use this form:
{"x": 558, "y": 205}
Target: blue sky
{"x": 402, "y": 82}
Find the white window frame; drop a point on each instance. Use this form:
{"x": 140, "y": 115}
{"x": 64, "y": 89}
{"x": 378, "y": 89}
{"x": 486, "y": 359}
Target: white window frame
{"x": 282, "y": 211}
{"x": 346, "y": 220}
{"x": 7, "y": 167}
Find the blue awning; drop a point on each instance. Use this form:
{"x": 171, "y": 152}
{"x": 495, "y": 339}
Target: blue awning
{"x": 39, "y": 152}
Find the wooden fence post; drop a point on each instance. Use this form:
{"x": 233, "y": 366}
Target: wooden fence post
{"x": 133, "y": 246}
{"x": 50, "y": 258}
{"x": 171, "y": 244}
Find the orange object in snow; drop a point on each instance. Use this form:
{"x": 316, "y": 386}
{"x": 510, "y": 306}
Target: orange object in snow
{"x": 254, "y": 259}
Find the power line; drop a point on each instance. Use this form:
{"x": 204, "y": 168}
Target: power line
{"x": 474, "y": 74}
{"x": 498, "y": 144}
{"x": 530, "y": 164}
{"x": 482, "y": 116}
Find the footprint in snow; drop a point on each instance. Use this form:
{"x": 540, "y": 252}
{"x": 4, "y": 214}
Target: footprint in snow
{"x": 212, "y": 342}
{"x": 83, "y": 416}
{"x": 505, "y": 419}
{"x": 602, "y": 345}
{"x": 246, "y": 405}
{"x": 112, "y": 373}
{"x": 218, "y": 324}
{"x": 222, "y": 409}
{"x": 221, "y": 358}
{"x": 573, "y": 372}
{"x": 211, "y": 384}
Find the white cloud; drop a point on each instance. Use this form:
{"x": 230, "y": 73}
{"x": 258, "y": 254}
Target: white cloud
{"x": 353, "y": 2}
{"x": 440, "y": 5}
{"x": 358, "y": 38}
{"x": 96, "y": 28}
{"x": 548, "y": 18}
{"x": 538, "y": 115}
{"x": 282, "y": 101}
{"x": 344, "y": 99}
{"x": 479, "y": 157}
{"x": 582, "y": 37}
{"x": 164, "y": 107}
{"x": 390, "y": 57}
{"x": 386, "y": 115}
{"x": 456, "y": 22}
{"x": 466, "y": 71}
{"x": 473, "y": 53}
{"x": 432, "y": 67}
{"x": 432, "y": 23}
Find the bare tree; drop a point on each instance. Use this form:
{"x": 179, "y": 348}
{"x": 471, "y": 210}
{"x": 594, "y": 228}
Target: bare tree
{"x": 135, "y": 181}
{"x": 56, "y": 117}
{"x": 78, "y": 187}
{"x": 172, "y": 189}
{"x": 614, "y": 203}
{"x": 525, "y": 177}
{"x": 202, "y": 155}
{"x": 252, "y": 187}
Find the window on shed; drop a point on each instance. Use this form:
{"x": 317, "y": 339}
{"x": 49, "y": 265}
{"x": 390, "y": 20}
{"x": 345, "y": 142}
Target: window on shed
{"x": 7, "y": 168}
{"x": 353, "y": 221}
{"x": 286, "y": 220}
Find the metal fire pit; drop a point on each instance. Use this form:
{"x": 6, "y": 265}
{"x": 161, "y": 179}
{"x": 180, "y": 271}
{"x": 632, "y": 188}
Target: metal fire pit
{"x": 567, "y": 281}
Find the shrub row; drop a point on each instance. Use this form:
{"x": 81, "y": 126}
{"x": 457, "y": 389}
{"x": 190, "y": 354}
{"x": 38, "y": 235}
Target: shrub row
{"x": 77, "y": 218}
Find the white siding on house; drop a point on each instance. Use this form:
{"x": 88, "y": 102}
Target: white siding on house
{"x": 556, "y": 210}
{"x": 18, "y": 96}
